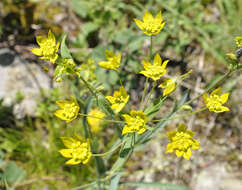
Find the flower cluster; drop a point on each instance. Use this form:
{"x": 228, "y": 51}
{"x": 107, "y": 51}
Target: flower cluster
{"x": 135, "y": 122}
{"x": 156, "y": 70}
{"x": 238, "y": 41}
{"x": 113, "y": 61}
{"x": 78, "y": 149}
{"x": 69, "y": 109}
{"x": 48, "y": 47}
{"x": 182, "y": 142}
{"x": 215, "y": 102}
{"x": 118, "y": 100}
{"x": 151, "y": 26}
{"x": 95, "y": 119}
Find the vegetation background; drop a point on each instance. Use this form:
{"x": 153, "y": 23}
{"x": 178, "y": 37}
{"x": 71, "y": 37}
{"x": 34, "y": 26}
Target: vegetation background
{"x": 197, "y": 35}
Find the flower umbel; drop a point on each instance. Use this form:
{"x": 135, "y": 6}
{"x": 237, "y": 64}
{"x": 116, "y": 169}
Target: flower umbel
{"x": 95, "y": 122}
{"x": 182, "y": 142}
{"x": 169, "y": 86}
{"x": 119, "y": 99}
{"x": 113, "y": 60}
{"x": 69, "y": 109}
{"x": 78, "y": 149}
{"x": 48, "y": 47}
{"x": 238, "y": 41}
{"x": 215, "y": 102}
{"x": 135, "y": 122}
{"x": 150, "y": 25}
{"x": 156, "y": 70}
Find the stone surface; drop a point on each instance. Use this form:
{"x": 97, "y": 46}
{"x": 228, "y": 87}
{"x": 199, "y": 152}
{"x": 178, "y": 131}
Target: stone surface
{"x": 19, "y": 76}
{"x": 215, "y": 177}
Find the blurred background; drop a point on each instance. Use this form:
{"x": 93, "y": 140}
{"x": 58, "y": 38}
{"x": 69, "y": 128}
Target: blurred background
{"x": 197, "y": 36}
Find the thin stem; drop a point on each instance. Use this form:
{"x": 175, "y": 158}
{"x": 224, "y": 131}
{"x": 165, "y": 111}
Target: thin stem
{"x": 180, "y": 116}
{"x": 89, "y": 87}
{"x": 108, "y": 120}
{"x": 151, "y": 92}
{"x": 119, "y": 78}
{"x": 151, "y": 46}
{"x": 104, "y": 154}
{"x": 144, "y": 92}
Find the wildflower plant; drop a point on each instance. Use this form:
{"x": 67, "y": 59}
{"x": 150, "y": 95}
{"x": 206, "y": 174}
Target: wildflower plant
{"x": 137, "y": 126}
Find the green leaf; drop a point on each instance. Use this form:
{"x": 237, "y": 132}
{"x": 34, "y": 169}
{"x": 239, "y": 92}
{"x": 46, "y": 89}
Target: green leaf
{"x": 115, "y": 181}
{"x": 104, "y": 105}
{"x": 154, "y": 107}
{"x": 89, "y": 27}
{"x": 158, "y": 185}
{"x": 13, "y": 173}
{"x": 64, "y": 50}
{"x": 80, "y": 8}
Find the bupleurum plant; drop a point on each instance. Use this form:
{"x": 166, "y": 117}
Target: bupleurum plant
{"x": 135, "y": 127}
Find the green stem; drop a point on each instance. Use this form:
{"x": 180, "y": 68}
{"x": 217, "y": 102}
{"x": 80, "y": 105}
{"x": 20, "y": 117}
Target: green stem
{"x": 151, "y": 46}
{"x": 144, "y": 92}
{"x": 89, "y": 87}
{"x": 119, "y": 78}
{"x": 108, "y": 120}
{"x": 104, "y": 154}
{"x": 151, "y": 92}
{"x": 180, "y": 116}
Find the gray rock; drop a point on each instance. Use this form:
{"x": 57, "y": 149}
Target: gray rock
{"x": 19, "y": 76}
{"x": 215, "y": 177}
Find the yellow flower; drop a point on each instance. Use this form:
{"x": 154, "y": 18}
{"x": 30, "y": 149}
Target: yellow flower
{"x": 69, "y": 109}
{"x": 65, "y": 66}
{"x": 156, "y": 70}
{"x": 215, "y": 102}
{"x": 150, "y": 25}
{"x": 135, "y": 122}
{"x": 113, "y": 60}
{"x": 169, "y": 86}
{"x": 119, "y": 99}
{"x": 238, "y": 41}
{"x": 94, "y": 122}
{"x": 78, "y": 149}
{"x": 48, "y": 47}
{"x": 182, "y": 141}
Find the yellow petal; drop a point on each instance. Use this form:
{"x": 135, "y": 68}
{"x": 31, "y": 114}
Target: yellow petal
{"x": 205, "y": 98}
{"x": 36, "y": 51}
{"x": 216, "y": 91}
{"x": 224, "y": 97}
{"x": 187, "y": 154}
{"x": 104, "y": 64}
{"x": 126, "y": 130}
{"x": 62, "y": 103}
{"x": 148, "y": 17}
{"x": 66, "y": 152}
{"x": 157, "y": 60}
{"x": 109, "y": 54}
{"x": 51, "y": 36}
{"x": 110, "y": 99}
{"x": 169, "y": 148}
{"x": 178, "y": 153}
{"x": 164, "y": 64}
{"x": 158, "y": 17}
{"x": 141, "y": 131}
{"x": 73, "y": 161}
{"x": 40, "y": 40}
{"x": 170, "y": 88}
{"x": 68, "y": 142}
{"x": 146, "y": 64}
{"x": 223, "y": 109}
{"x": 59, "y": 114}
{"x": 139, "y": 23}
{"x": 171, "y": 134}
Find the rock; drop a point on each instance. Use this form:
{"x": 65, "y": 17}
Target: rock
{"x": 20, "y": 77}
{"x": 215, "y": 177}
